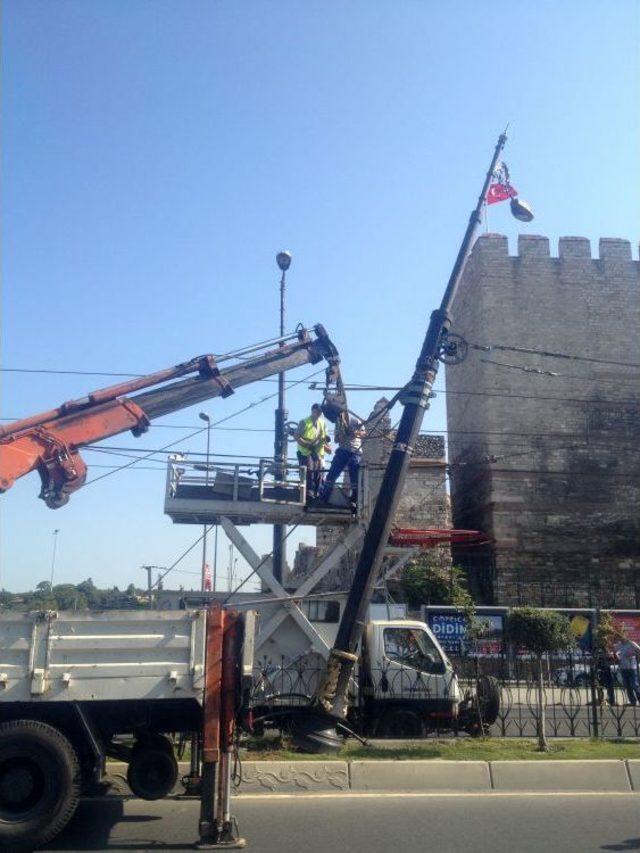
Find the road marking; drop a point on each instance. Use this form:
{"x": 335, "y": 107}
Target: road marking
{"x": 364, "y": 795}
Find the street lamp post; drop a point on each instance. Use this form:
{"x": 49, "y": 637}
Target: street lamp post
{"x": 283, "y": 259}
{"x": 203, "y": 579}
{"x": 53, "y": 556}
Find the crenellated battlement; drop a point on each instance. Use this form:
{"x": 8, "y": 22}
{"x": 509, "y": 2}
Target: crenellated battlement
{"x": 561, "y": 501}
{"x": 531, "y": 246}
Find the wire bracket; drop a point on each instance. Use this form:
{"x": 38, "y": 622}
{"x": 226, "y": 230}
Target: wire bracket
{"x": 453, "y": 349}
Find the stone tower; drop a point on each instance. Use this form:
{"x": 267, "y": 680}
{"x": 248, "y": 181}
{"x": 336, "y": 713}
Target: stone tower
{"x": 548, "y": 466}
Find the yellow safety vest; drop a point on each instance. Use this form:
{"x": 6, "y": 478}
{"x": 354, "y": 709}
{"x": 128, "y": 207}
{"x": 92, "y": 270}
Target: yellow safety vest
{"x": 316, "y": 433}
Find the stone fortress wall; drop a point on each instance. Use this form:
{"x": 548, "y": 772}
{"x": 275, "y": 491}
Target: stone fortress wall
{"x": 549, "y": 466}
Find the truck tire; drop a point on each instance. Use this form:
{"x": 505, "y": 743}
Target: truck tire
{"x": 153, "y": 770}
{"x": 40, "y": 783}
{"x": 489, "y": 699}
{"x": 399, "y": 723}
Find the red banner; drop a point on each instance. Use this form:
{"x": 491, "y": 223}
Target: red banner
{"x": 500, "y": 192}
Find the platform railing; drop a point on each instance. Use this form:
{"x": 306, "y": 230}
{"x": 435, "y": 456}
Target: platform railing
{"x": 263, "y": 481}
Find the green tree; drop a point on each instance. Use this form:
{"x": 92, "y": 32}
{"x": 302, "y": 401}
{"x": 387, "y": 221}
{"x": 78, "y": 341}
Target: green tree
{"x": 69, "y": 597}
{"x": 540, "y": 632}
{"x": 606, "y": 634}
{"x": 89, "y": 590}
{"x": 7, "y": 600}
{"x": 43, "y": 587}
{"x": 423, "y": 582}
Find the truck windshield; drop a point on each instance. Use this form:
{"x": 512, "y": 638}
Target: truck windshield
{"x": 413, "y": 647}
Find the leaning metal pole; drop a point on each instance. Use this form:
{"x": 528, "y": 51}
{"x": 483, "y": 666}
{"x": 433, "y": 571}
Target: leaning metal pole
{"x": 332, "y": 695}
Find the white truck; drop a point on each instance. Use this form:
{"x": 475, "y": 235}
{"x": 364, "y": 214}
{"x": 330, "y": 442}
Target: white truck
{"x": 76, "y": 688}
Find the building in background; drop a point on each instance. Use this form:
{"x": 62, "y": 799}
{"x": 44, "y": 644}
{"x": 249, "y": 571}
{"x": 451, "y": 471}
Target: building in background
{"x": 548, "y": 466}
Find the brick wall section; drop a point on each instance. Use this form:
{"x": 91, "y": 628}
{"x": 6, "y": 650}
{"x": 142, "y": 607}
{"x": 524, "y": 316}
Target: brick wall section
{"x": 561, "y": 498}
{"x": 424, "y": 502}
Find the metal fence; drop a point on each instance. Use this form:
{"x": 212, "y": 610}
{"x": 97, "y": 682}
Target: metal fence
{"x": 580, "y": 700}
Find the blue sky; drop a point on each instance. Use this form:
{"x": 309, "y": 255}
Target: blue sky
{"x": 158, "y": 153}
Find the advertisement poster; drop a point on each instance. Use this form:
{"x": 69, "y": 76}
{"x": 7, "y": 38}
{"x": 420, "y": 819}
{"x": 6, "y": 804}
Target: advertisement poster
{"x": 490, "y": 643}
{"x": 450, "y": 629}
{"x": 581, "y": 630}
{"x": 629, "y": 624}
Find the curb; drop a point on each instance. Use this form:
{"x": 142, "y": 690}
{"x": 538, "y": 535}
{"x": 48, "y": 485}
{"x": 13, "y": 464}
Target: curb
{"x": 433, "y": 776}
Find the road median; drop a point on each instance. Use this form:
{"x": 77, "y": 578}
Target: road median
{"x": 427, "y": 777}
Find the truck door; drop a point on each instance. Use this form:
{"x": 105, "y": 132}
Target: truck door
{"x": 410, "y": 665}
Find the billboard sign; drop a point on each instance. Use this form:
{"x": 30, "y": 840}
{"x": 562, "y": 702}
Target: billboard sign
{"x": 451, "y": 631}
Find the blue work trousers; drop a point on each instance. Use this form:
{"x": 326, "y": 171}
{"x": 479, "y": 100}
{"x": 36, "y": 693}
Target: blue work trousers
{"x": 342, "y": 459}
{"x": 631, "y": 684}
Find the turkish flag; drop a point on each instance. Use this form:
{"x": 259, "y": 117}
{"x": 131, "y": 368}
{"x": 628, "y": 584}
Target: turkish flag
{"x": 500, "y": 192}
{"x": 207, "y": 578}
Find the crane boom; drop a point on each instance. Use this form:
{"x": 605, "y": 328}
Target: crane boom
{"x": 49, "y": 442}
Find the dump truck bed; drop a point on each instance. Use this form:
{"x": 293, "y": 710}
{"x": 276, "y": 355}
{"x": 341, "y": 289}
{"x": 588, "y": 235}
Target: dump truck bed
{"x": 107, "y": 655}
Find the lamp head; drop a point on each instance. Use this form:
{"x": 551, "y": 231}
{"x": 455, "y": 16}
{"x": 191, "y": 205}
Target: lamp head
{"x": 283, "y": 259}
{"x": 204, "y": 417}
{"x": 521, "y": 210}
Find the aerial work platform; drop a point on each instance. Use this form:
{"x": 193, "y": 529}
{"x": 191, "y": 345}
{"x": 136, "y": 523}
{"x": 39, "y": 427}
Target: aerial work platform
{"x": 258, "y": 493}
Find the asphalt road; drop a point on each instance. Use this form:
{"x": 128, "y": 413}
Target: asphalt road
{"x": 487, "y": 823}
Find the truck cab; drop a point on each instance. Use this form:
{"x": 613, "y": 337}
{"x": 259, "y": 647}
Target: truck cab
{"x": 403, "y": 686}
{"x": 407, "y": 684}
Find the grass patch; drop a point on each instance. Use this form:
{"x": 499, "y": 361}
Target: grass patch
{"x": 462, "y": 749}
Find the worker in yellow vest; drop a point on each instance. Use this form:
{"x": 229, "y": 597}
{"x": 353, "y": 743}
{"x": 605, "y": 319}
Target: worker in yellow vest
{"x": 313, "y": 443}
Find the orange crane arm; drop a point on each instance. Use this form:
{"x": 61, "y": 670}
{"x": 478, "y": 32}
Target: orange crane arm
{"x": 49, "y": 442}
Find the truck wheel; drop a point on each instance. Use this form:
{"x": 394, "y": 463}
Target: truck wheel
{"x": 152, "y": 771}
{"x": 488, "y": 699}
{"x": 400, "y": 723}
{"x": 40, "y": 783}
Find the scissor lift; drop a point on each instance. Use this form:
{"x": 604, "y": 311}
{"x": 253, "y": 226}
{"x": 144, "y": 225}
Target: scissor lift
{"x": 258, "y": 493}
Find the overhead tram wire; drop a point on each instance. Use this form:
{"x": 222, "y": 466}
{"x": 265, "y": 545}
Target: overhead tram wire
{"x": 133, "y": 452}
{"x": 444, "y": 431}
{"x": 291, "y": 335}
{"x": 437, "y": 391}
{"x": 399, "y": 388}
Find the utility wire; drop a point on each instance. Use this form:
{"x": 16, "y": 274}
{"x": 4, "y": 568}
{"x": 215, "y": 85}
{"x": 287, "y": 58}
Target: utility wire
{"x": 437, "y": 432}
{"x": 201, "y": 429}
{"x": 238, "y": 353}
{"x": 291, "y": 335}
{"x": 492, "y": 394}
{"x": 550, "y": 354}
{"x": 554, "y": 374}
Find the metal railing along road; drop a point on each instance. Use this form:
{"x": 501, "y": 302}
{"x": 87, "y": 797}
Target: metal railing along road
{"x": 577, "y": 703}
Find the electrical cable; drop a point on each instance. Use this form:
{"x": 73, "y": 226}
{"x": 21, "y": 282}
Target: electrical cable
{"x": 552, "y": 373}
{"x": 219, "y": 357}
{"x": 551, "y": 354}
{"x": 202, "y": 429}
{"x": 425, "y": 432}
